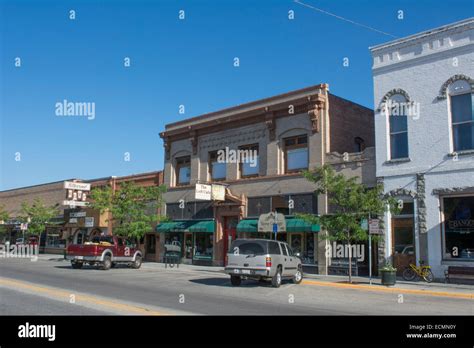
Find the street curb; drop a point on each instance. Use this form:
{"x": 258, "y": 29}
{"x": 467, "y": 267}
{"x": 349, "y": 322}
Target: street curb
{"x": 391, "y": 290}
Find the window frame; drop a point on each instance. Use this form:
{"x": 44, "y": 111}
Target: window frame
{"x": 452, "y": 124}
{"x": 249, "y": 147}
{"x": 444, "y": 255}
{"x": 178, "y": 167}
{"x": 212, "y": 157}
{"x": 390, "y": 133}
{"x": 297, "y": 145}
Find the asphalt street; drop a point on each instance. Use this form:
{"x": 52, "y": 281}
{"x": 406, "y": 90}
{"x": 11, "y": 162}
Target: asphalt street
{"x": 53, "y": 287}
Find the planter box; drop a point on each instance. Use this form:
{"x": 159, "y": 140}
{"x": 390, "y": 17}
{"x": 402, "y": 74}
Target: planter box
{"x": 389, "y": 277}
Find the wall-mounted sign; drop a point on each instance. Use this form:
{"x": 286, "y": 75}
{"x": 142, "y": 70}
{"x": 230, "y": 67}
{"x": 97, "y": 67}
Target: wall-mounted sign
{"x": 203, "y": 192}
{"x": 76, "y": 193}
{"x": 266, "y": 222}
{"x": 89, "y": 222}
{"x": 218, "y": 192}
{"x": 77, "y": 214}
{"x": 374, "y": 226}
{"x": 75, "y": 203}
{"x": 70, "y": 185}
{"x": 73, "y": 220}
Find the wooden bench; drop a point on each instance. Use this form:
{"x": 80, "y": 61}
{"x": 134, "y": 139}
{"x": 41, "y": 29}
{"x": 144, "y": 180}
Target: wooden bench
{"x": 460, "y": 274}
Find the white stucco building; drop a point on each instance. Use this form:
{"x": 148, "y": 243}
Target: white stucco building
{"x": 425, "y": 152}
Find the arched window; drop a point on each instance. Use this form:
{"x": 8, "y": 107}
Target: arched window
{"x": 396, "y": 109}
{"x": 79, "y": 237}
{"x": 462, "y": 115}
{"x": 359, "y": 144}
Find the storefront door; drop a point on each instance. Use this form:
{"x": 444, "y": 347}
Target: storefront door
{"x": 297, "y": 242}
{"x": 188, "y": 246}
{"x": 230, "y": 231}
{"x": 403, "y": 246}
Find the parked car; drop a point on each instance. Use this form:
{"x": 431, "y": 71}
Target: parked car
{"x": 174, "y": 246}
{"x": 405, "y": 249}
{"x": 106, "y": 251}
{"x": 263, "y": 259}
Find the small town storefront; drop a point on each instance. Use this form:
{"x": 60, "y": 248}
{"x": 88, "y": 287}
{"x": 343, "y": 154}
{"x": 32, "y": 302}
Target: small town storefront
{"x": 192, "y": 241}
{"x": 458, "y": 228}
{"x": 300, "y": 235}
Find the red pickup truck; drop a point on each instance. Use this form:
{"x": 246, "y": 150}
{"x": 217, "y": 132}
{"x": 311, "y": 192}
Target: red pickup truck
{"x": 105, "y": 251}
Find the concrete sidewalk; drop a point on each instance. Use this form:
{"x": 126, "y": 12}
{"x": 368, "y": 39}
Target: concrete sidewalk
{"x": 358, "y": 283}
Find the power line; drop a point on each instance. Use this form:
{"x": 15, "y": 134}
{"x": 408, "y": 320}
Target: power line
{"x": 344, "y": 19}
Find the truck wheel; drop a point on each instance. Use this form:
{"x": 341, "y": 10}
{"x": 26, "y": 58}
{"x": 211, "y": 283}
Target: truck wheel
{"x": 276, "y": 279}
{"x": 107, "y": 263}
{"x": 298, "y": 277}
{"x": 76, "y": 265}
{"x": 235, "y": 280}
{"x": 137, "y": 263}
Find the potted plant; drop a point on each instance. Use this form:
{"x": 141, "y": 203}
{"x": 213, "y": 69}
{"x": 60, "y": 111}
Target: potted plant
{"x": 389, "y": 274}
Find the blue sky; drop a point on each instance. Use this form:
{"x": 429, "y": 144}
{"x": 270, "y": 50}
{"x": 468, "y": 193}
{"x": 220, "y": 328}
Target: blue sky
{"x": 173, "y": 62}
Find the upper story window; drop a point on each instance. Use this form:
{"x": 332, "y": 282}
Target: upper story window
{"x": 296, "y": 153}
{"x": 217, "y": 169}
{"x": 359, "y": 144}
{"x": 462, "y": 115}
{"x": 398, "y": 122}
{"x": 183, "y": 170}
{"x": 249, "y": 161}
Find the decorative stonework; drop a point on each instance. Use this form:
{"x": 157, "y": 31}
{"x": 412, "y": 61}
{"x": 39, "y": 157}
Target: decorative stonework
{"x": 270, "y": 123}
{"x": 421, "y": 204}
{"x": 167, "y": 146}
{"x": 315, "y": 111}
{"x": 443, "y": 92}
{"x": 235, "y": 138}
{"x": 401, "y": 192}
{"x": 453, "y": 190}
{"x": 390, "y": 94}
{"x": 194, "y": 141}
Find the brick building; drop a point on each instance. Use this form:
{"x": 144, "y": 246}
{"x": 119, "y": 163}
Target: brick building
{"x": 291, "y": 132}
{"x": 72, "y": 225}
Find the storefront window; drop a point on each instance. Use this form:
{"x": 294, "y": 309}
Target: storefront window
{"x": 203, "y": 246}
{"x": 55, "y": 241}
{"x": 308, "y": 252}
{"x": 174, "y": 244}
{"x": 459, "y": 227}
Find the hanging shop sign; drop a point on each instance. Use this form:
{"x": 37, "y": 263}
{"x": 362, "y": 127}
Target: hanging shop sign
{"x": 266, "y": 222}
{"x": 218, "y": 192}
{"x": 203, "y": 192}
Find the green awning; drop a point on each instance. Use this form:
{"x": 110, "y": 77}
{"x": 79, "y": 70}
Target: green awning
{"x": 300, "y": 225}
{"x": 292, "y": 225}
{"x": 247, "y": 225}
{"x": 186, "y": 226}
{"x": 203, "y": 226}
{"x": 174, "y": 226}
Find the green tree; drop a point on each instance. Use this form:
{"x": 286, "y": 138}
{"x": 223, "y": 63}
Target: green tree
{"x": 133, "y": 208}
{"x": 37, "y": 215}
{"x": 4, "y": 217}
{"x": 349, "y": 202}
